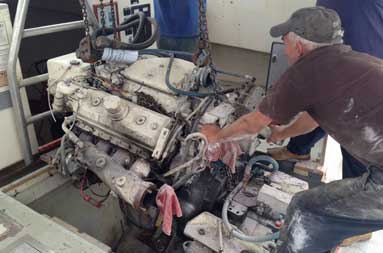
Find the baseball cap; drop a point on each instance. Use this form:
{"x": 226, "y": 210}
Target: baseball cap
{"x": 317, "y": 24}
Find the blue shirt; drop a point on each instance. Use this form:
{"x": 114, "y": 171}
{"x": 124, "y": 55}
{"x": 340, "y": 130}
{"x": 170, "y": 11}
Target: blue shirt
{"x": 362, "y": 21}
{"x": 177, "y": 18}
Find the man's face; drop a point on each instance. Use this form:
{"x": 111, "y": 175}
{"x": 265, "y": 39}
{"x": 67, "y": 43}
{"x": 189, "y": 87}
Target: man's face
{"x": 292, "y": 50}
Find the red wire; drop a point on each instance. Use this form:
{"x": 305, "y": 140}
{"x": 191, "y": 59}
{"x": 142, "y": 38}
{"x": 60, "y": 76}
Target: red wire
{"x": 87, "y": 197}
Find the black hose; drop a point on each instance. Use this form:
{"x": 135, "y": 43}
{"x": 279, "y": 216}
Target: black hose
{"x": 140, "y": 27}
{"x": 168, "y": 53}
{"x": 137, "y": 19}
{"x": 109, "y": 31}
{"x": 148, "y": 42}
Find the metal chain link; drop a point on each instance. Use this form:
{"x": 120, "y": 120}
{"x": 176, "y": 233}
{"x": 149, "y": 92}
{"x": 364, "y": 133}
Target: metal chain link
{"x": 111, "y": 3}
{"x": 85, "y": 17}
{"x": 203, "y": 29}
{"x": 87, "y": 29}
{"x": 204, "y": 37}
{"x": 102, "y": 14}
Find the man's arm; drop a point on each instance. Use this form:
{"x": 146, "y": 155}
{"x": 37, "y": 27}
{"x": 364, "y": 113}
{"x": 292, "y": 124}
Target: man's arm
{"x": 302, "y": 125}
{"x": 248, "y": 125}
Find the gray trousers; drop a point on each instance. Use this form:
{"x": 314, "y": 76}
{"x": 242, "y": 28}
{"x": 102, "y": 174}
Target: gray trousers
{"x": 321, "y": 218}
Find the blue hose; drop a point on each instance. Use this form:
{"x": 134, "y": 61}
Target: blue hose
{"x": 264, "y": 158}
{"x": 182, "y": 92}
{"x": 236, "y": 232}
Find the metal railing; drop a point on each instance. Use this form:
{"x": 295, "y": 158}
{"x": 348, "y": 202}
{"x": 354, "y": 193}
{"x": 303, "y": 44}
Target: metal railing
{"x": 14, "y": 87}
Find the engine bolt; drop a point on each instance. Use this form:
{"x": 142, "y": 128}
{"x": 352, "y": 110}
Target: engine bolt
{"x": 120, "y": 181}
{"x": 74, "y": 62}
{"x": 201, "y": 231}
{"x": 100, "y": 162}
{"x": 154, "y": 126}
{"x": 96, "y": 101}
{"x": 140, "y": 120}
{"x": 81, "y": 93}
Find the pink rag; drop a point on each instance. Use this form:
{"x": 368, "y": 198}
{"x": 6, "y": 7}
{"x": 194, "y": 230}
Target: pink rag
{"x": 169, "y": 205}
{"x": 227, "y": 152}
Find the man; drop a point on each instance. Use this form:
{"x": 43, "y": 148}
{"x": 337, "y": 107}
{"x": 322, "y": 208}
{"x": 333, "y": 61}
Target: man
{"x": 331, "y": 86}
{"x": 362, "y": 22}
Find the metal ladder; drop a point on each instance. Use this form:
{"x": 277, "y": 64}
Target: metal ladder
{"x": 14, "y": 87}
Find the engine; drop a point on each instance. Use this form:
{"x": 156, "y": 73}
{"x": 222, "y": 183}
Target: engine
{"x": 135, "y": 128}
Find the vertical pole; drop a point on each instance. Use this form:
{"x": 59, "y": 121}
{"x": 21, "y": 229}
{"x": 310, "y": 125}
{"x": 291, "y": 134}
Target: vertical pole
{"x": 14, "y": 89}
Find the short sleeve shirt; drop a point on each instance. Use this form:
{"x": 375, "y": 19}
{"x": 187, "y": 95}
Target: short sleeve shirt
{"x": 342, "y": 90}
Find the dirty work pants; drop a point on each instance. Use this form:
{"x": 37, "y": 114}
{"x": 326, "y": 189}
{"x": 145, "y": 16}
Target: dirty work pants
{"x": 321, "y": 218}
{"x": 301, "y": 145}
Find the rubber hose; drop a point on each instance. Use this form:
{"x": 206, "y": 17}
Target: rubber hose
{"x": 138, "y": 18}
{"x": 236, "y": 232}
{"x": 168, "y": 53}
{"x": 263, "y": 158}
{"x": 133, "y": 45}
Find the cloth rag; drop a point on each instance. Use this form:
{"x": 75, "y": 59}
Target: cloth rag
{"x": 227, "y": 152}
{"x": 169, "y": 206}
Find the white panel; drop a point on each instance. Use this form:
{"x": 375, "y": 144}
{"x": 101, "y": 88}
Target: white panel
{"x": 246, "y": 23}
{"x": 9, "y": 149}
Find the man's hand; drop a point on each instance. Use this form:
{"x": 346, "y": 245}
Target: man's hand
{"x": 211, "y": 132}
{"x": 249, "y": 124}
{"x": 277, "y": 134}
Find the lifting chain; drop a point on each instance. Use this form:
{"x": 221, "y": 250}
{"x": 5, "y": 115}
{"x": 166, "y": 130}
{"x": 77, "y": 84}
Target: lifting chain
{"x": 87, "y": 30}
{"x": 87, "y": 41}
{"x": 203, "y": 57}
{"x": 102, "y": 14}
{"x": 85, "y": 17}
{"x": 203, "y": 30}
{"x": 113, "y": 15}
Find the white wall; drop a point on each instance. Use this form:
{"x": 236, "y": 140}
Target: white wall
{"x": 246, "y": 23}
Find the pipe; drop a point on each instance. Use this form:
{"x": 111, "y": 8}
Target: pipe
{"x": 38, "y": 117}
{"x": 41, "y": 30}
{"x": 49, "y": 146}
{"x": 125, "y": 183}
{"x": 68, "y": 131}
{"x": 235, "y": 231}
{"x": 202, "y": 150}
{"x": 34, "y": 80}
{"x": 18, "y": 28}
